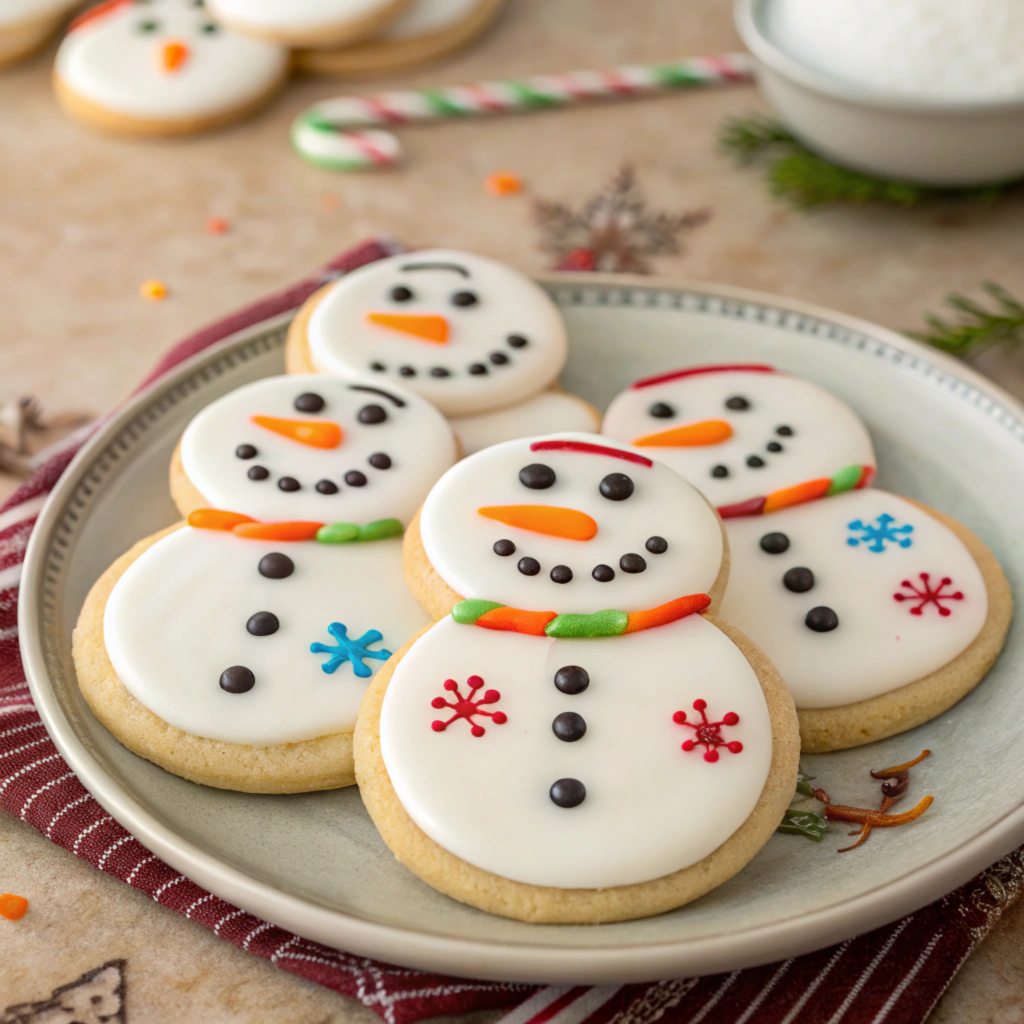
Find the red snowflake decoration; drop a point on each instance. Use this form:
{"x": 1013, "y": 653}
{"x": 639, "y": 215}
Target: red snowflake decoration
{"x": 708, "y": 734}
{"x": 925, "y": 595}
{"x": 466, "y": 707}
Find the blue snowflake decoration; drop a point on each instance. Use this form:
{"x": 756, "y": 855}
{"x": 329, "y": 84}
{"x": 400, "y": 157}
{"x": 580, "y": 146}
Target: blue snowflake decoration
{"x": 874, "y": 535}
{"x": 353, "y": 651}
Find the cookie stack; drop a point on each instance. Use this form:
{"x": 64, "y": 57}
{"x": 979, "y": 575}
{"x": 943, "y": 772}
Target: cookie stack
{"x": 578, "y": 688}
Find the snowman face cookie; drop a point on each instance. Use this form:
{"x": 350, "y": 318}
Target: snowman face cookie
{"x": 308, "y": 22}
{"x": 570, "y": 523}
{"x": 467, "y": 333}
{"x": 318, "y": 448}
{"x": 750, "y": 438}
{"x": 164, "y": 62}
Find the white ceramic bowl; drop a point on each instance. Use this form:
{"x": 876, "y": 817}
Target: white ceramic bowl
{"x": 941, "y": 143}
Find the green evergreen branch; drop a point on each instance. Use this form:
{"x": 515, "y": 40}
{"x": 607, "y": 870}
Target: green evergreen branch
{"x": 977, "y": 327}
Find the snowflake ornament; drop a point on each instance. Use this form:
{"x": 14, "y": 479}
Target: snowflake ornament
{"x": 708, "y": 734}
{"x": 353, "y": 651}
{"x": 468, "y": 708}
{"x": 926, "y": 595}
{"x": 875, "y": 535}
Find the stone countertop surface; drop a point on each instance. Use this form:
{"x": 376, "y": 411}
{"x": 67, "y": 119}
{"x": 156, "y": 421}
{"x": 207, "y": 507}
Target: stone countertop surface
{"x": 85, "y": 219}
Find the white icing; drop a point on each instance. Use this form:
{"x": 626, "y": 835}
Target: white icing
{"x": 415, "y": 436}
{"x": 650, "y": 808}
{"x": 288, "y": 16}
{"x": 14, "y": 13}
{"x": 341, "y": 337}
{"x": 426, "y": 17}
{"x": 459, "y": 540}
{"x": 827, "y": 435}
{"x": 547, "y": 413}
{"x": 177, "y": 618}
{"x": 878, "y": 645}
{"x": 112, "y": 62}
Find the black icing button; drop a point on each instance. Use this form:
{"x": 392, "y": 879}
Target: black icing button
{"x": 258, "y": 473}
{"x": 537, "y": 476}
{"x": 821, "y": 619}
{"x": 504, "y": 548}
{"x": 288, "y": 483}
{"x": 656, "y": 545}
{"x": 263, "y": 624}
{"x": 354, "y": 478}
{"x": 245, "y": 451}
{"x": 632, "y": 563}
{"x": 799, "y": 580}
{"x": 276, "y": 566}
{"x": 616, "y": 487}
{"x": 568, "y": 793}
{"x": 371, "y": 414}
{"x": 516, "y": 341}
{"x": 309, "y": 402}
{"x": 719, "y": 472}
{"x": 239, "y": 679}
{"x": 327, "y": 487}
{"x": 774, "y": 543}
{"x": 572, "y": 679}
{"x": 529, "y": 566}
{"x": 755, "y": 461}
{"x": 569, "y": 726}
{"x": 603, "y": 573}
{"x": 561, "y": 574}
{"x": 380, "y": 460}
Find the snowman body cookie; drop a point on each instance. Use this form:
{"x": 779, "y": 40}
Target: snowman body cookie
{"x": 479, "y": 340}
{"x": 163, "y": 67}
{"x": 26, "y": 24}
{"x": 234, "y": 650}
{"x": 576, "y": 741}
{"x": 878, "y": 612}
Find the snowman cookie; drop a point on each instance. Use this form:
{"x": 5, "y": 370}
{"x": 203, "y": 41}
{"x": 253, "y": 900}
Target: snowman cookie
{"x": 428, "y": 30}
{"x": 25, "y": 25}
{"x": 234, "y": 650}
{"x": 479, "y": 340}
{"x": 576, "y": 741}
{"x": 163, "y": 67}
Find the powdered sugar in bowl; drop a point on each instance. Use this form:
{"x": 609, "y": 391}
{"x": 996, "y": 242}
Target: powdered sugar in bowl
{"x": 929, "y": 91}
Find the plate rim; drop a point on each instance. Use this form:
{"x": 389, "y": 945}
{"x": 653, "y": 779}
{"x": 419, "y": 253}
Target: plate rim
{"x": 533, "y": 962}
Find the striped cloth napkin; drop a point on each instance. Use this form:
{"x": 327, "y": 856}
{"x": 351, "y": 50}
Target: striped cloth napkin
{"x": 896, "y": 973}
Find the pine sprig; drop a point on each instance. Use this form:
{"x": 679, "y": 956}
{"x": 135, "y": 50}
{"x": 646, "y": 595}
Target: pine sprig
{"x": 804, "y": 179}
{"x": 976, "y": 327}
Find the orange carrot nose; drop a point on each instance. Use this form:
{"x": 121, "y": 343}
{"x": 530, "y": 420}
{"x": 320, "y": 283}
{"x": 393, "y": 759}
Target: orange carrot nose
{"x": 172, "y": 56}
{"x": 429, "y": 328}
{"x": 693, "y": 435}
{"x": 315, "y": 433}
{"x": 555, "y": 522}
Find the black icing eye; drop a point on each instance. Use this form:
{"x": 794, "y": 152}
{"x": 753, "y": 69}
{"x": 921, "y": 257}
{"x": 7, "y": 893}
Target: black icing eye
{"x": 309, "y": 402}
{"x": 400, "y": 293}
{"x": 378, "y": 367}
{"x": 516, "y": 341}
{"x": 148, "y": 27}
{"x": 616, "y": 487}
{"x": 774, "y": 543}
{"x": 208, "y": 28}
{"x": 245, "y": 451}
{"x": 537, "y": 476}
{"x": 371, "y": 414}
{"x": 719, "y": 472}
{"x": 464, "y": 299}
{"x": 504, "y": 548}
{"x": 784, "y": 431}
{"x": 661, "y": 411}
{"x": 656, "y": 545}
{"x": 737, "y": 403}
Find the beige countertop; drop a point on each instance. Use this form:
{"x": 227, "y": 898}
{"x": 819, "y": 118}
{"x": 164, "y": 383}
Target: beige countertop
{"x": 85, "y": 219}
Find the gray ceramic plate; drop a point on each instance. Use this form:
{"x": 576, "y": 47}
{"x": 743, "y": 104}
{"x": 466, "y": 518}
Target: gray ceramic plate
{"x": 314, "y": 863}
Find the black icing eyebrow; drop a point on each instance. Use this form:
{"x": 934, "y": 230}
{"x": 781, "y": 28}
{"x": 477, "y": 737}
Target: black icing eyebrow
{"x": 437, "y": 266}
{"x": 394, "y": 399}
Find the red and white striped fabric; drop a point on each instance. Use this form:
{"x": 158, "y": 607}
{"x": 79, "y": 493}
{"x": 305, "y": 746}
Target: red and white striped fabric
{"x": 895, "y": 974}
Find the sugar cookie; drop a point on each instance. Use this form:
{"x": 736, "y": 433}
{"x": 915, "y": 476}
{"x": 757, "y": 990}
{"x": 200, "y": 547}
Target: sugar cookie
{"x": 163, "y": 67}
{"x": 469, "y": 334}
{"x": 576, "y": 742}
{"x": 235, "y": 649}
{"x": 25, "y": 25}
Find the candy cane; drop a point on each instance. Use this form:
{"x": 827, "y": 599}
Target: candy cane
{"x": 345, "y": 134}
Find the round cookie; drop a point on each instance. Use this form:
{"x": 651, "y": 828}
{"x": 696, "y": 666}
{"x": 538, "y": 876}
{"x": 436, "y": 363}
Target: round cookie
{"x": 474, "y": 337}
{"x": 751, "y": 438}
{"x": 312, "y": 23}
{"x": 26, "y": 25}
{"x": 163, "y": 67}
{"x": 879, "y": 612}
{"x": 235, "y": 649}
{"x": 429, "y": 30}
{"x": 574, "y": 745}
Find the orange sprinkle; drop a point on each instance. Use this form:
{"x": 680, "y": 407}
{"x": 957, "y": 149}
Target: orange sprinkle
{"x": 546, "y": 519}
{"x": 216, "y": 519}
{"x": 693, "y": 435}
{"x": 153, "y": 290}
{"x": 429, "y": 328}
{"x": 515, "y": 620}
{"x": 295, "y": 530}
{"x": 217, "y": 225}
{"x": 666, "y": 613}
{"x": 330, "y": 202}
{"x": 807, "y": 491}
{"x": 315, "y": 433}
{"x": 503, "y": 183}
{"x": 12, "y": 907}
